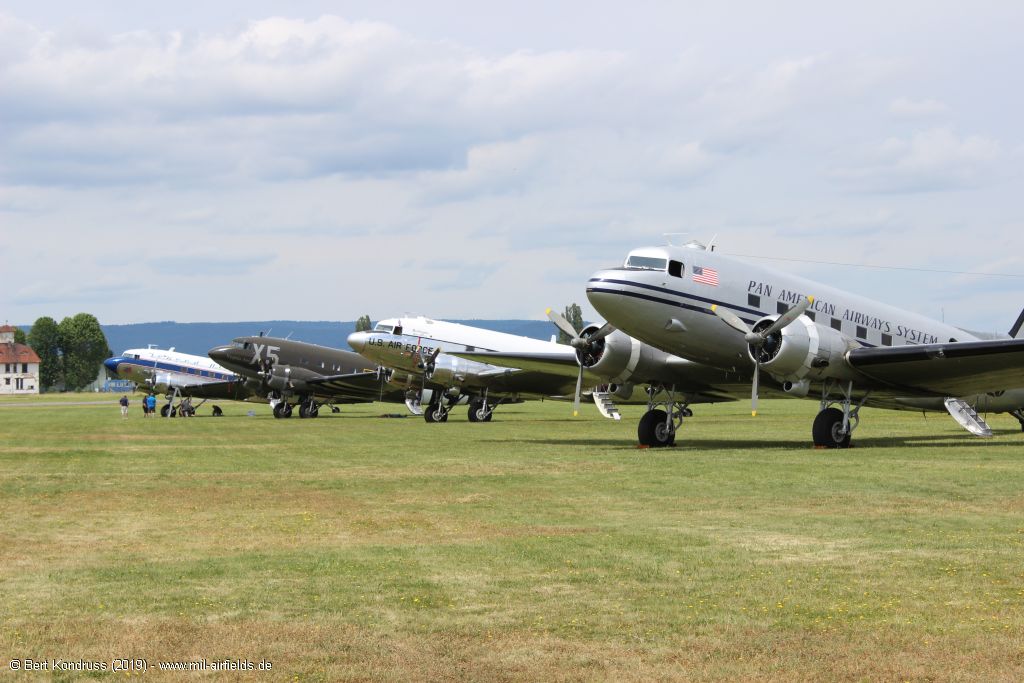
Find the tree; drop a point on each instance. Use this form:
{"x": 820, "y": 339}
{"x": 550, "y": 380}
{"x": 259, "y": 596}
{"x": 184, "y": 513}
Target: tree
{"x": 44, "y": 338}
{"x": 574, "y": 314}
{"x": 19, "y": 336}
{"x": 85, "y": 348}
{"x": 364, "y": 324}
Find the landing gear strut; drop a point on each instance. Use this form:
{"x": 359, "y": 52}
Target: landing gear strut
{"x": 282, "y": 409}
{"x": 658, "y": 426}
{"x": 309, "y": 408}
{"x": 480, "y": 410}
{"x": 437, "y": 410}
{"x": 833, "y": 426}
{"x": 1019, "y": 414}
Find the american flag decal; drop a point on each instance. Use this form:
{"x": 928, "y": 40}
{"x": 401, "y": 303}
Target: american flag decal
{"x": 705, "y": 276}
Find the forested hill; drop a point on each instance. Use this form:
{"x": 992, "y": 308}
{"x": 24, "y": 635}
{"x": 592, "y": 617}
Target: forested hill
{"x": 198, "y": 338}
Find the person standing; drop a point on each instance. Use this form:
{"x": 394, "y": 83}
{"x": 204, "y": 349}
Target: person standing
{"x": 124, "y": 406}
{"x": 151, "y": 405}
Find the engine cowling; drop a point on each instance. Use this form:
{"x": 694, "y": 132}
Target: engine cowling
{"x": 287, "y": 378}
{"x": 621, "y": 360}
{"x": 802, "y": 351}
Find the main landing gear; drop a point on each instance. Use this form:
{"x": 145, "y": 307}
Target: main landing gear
{"x": 833, "y": 425}
{"x": 480, "y": 410}
{"x": 658, "y": 426}
{"x": 1019, "y": 414}
{"x": 438, "y": 408}
{"x": 309, "y": 408}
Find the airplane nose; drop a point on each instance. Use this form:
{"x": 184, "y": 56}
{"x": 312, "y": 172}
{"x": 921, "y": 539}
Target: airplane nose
{"x": 357, "y": 340}
{"x": 111, "y": 365}
{"x": 219, "y": 353}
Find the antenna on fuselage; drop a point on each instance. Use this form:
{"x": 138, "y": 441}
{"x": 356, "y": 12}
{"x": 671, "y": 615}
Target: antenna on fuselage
{"x": 711, "y": 242}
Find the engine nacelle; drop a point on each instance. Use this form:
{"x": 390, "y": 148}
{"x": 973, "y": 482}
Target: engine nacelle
{"x": 288, "y": 378}
{"x": 801, "y": 352}
{"x": 621, "y": 360}
{"x": 451, "y": 371}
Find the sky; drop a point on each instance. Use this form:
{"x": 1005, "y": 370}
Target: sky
{"x": 322, "y": 160}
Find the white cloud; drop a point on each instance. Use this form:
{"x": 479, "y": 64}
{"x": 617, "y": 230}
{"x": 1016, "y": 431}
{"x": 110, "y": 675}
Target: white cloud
{"x": 906, "y": 107}
{"x": 931, "y": 160}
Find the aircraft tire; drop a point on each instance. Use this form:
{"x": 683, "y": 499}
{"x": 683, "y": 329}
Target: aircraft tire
{"x": 826, "y": 427}
{"x": 651, "y": 430}
{"x": 434, "y": 414}
{"x": 313, "y": 411}
{"x": 303, "y": 411}
{"x": 165, "y": 411}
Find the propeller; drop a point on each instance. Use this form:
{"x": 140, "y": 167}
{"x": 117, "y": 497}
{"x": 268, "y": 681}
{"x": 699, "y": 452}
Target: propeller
{"x": 761, "y": 338}
{"x": 585, "y": 345}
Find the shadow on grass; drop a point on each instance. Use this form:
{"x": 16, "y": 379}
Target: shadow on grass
{"x": 731, "y": 444}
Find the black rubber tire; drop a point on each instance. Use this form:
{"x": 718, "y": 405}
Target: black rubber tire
{"x": 651, "y": 430}
{"x": 303, "y": 411}
{"x": 434, "y": 414}
{"x": 217, "y": 412}
{"x": 314, "y": 411}
{"x": 825, "y": 430}
{"x": 165, "y": 411}
{"x": 286, "y": 411}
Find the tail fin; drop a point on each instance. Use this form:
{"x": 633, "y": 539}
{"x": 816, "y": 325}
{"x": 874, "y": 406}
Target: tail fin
{"x": 1017, "y": 331}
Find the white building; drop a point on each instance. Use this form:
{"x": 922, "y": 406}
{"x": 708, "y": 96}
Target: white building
{"x": 19, "y": 365}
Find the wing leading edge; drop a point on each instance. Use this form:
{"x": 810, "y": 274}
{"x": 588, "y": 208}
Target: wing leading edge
{"x": 953, "y": 369}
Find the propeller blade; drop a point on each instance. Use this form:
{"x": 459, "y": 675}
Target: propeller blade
{"x": 753, "y": 390}
{"x": 730, "y": 319}
{"x": 561, "y": 323}
{"x": 579, "y": 390}
{"x": 605, "y": 330}
{"x": 788, "y": 317}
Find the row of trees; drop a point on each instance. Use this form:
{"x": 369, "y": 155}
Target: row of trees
{"x": 70, "y": 352}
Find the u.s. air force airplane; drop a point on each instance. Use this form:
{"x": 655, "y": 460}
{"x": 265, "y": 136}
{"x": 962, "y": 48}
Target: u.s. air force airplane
{"x": 812, "y": 340}
{"x": 490, "y": 367}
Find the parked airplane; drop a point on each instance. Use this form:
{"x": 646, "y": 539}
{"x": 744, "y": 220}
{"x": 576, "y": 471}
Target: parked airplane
{"x": 289, "y": 373}
{"x": 809, "y": 338}
{"x": 170, "y": 372}
{"x": 492, "y": 368}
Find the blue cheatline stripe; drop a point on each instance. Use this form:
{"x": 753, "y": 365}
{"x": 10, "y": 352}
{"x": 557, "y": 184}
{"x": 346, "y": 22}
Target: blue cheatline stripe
{"x": 180, "y": 369}
{"x": 667, "y": 302}
{"x": 667, "y": 290}
{"x": 677, "y": 304}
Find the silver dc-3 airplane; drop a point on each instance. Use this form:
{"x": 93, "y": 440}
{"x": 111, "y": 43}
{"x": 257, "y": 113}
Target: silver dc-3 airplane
{"x": 441, "y": 363}
{"x": 811, "y": 340}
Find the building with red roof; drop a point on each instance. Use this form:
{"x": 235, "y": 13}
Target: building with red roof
{"x": 19, "y": 365}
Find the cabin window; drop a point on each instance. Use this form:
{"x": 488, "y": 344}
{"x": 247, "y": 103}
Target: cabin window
{"x": 862, "y": 332}
{"x": 675, "y": 268}
{"x": 470, "y": 348}
{"x": 837, "y": 324}
{"x": 781, "y": 307}
{"x": 886, "y": 339}
{"x": 646, "y": 263}
{"x": 754, "y": 300}
{"x": 952, "y": 340}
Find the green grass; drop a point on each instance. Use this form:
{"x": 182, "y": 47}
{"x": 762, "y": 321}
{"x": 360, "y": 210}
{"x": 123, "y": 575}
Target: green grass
{"x": 536, "y": 547}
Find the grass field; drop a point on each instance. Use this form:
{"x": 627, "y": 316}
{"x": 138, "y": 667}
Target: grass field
{"x": 536, "y": 547}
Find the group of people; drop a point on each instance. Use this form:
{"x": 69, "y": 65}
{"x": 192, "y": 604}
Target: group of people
{"x": 148, "y": 405}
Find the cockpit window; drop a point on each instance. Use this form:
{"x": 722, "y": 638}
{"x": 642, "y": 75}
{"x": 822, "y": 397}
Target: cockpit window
{"x": 381, "y": 327}
{"x": 675, "y": 268}
{"x": 646, "y": 263}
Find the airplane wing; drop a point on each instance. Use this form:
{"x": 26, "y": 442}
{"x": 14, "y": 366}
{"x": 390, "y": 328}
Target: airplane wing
{"x": 953, "y": 369}
{"x": 231, "y": 390}
{"x": 355, "y": 387}
{"x": 701, "y": 383}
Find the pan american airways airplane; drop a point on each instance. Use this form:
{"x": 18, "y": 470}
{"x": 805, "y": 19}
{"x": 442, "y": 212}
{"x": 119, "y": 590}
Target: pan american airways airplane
{"x": 811, "y": 340}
